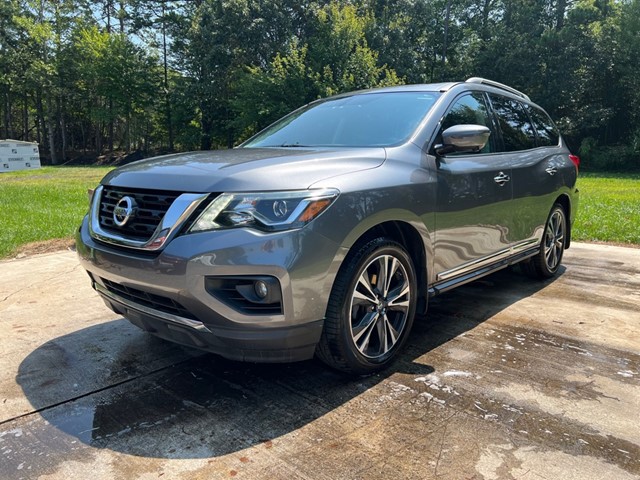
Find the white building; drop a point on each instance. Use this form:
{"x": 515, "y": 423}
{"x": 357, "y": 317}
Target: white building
{"x": 17, "y": 155}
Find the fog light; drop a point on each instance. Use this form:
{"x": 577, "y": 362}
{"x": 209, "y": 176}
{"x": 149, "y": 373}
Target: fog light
{"x": 261, "y": 289}
{"x": 250, "y": 295}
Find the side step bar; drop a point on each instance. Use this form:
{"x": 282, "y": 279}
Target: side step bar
{"x": 449, "y": 284}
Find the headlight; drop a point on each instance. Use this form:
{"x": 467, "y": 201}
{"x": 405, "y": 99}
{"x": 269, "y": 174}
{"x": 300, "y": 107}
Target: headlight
{"x": 271, "y": 211}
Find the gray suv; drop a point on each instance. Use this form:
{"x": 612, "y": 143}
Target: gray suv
{"x": 326, "y": 233}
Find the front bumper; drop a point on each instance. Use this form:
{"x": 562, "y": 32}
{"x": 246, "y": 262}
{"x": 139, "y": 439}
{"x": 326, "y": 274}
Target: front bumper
{"x": 303, "y": 262}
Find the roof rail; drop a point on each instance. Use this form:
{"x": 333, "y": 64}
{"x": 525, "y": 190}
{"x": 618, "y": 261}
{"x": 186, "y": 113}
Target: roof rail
{"x": 484, "y": 81}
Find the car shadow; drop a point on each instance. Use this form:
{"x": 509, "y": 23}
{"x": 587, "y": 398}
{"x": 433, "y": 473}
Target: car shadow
{"x": 112, "y": 386}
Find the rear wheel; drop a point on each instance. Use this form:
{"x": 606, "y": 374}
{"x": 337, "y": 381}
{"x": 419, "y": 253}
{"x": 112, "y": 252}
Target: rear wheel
{"x": 371, "y": 308}
{"x": 547, "y": 262}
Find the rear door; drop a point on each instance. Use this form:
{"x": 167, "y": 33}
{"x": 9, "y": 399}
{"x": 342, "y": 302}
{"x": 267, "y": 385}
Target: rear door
{"x": 530, "y": 140}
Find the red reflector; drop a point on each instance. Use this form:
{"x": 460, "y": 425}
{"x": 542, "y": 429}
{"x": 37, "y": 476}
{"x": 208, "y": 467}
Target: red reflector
{"x": 575, "y": 159}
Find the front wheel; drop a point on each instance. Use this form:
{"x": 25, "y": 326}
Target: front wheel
{"x": 547, "y": 262}
{"x": 371, "y": 308}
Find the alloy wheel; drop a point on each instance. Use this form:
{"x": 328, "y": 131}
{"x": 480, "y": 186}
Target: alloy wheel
{"x": 554, "y": 240}
{"x": 379, "y": 306}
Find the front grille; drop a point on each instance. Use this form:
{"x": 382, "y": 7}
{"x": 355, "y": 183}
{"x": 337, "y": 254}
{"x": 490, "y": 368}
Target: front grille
{"x": 151, "y": 300}
{"x": 151, "y": 208}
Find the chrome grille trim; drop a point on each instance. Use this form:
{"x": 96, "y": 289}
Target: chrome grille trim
{"x": 176, "y": 215}
{"x": 151, "y": 207}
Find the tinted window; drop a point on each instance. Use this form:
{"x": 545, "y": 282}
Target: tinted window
{"x": 470, "y": 109}
{"x": 374, "y": 119}
{"x": 546, "y": 130}
{"x": 517, "y": 131}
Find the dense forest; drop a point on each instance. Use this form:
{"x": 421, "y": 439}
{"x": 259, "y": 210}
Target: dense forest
{"x": 87, "y": 78}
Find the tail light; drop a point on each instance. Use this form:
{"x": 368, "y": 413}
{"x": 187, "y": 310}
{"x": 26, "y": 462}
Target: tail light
{"x": 576, "y": 160}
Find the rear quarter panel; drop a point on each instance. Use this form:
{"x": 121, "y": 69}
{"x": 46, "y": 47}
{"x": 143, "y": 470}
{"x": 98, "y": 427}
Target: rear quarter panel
{"x": 536, "y": 188}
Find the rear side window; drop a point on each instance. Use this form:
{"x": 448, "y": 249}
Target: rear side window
{"x": 547, "y": 133}
{"x": 517, "y": 130}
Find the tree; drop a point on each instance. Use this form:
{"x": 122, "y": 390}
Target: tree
{"x": 176, "y": 74}
{"x": 336, "y": 58}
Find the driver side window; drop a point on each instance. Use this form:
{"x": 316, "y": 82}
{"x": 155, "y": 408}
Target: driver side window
{"x": 470, "y": 109}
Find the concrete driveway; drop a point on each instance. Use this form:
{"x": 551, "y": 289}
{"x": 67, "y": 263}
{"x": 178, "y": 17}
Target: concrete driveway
{"x": 508, "y": 378}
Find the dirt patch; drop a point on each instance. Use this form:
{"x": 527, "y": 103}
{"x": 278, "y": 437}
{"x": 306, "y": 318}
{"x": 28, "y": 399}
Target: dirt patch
{"x": 115, "y": 158}
{"x": 44, "y": 246}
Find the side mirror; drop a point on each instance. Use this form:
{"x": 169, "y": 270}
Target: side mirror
{"x": 463, "y": 138}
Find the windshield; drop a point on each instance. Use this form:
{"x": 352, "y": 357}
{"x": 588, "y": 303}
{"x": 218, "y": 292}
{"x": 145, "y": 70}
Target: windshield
{"x": 363, "y": 120}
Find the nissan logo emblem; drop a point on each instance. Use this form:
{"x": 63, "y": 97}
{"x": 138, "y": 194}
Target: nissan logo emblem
{"x": 124, "y": 210}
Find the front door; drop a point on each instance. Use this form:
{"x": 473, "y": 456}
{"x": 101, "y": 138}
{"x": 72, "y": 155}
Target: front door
{"x": 473, "y": 215}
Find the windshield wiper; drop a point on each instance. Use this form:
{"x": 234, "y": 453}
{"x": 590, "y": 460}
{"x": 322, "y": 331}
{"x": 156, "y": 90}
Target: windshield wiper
{"x": 291, "y": 145}
{"x": 283, "y": 145}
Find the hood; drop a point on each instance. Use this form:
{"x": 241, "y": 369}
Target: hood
{"x": 244, "y": 169}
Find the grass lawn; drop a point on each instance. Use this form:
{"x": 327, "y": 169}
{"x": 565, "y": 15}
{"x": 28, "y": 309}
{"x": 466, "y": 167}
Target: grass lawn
{"x": 49, "y": 203}
{"x": 609, "y": 208}
{"x": 43, "y": 204}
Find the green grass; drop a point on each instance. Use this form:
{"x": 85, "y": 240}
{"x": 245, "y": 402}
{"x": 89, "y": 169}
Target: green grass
{"x": 609, "y": 208}
{"x": 43, "y": 204}
{"x": 50, "y": 202}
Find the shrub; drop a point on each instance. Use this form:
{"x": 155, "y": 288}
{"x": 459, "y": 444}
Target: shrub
{"x": 610, "y": 158}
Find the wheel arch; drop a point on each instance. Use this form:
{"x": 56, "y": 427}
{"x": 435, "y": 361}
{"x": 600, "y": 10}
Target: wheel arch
{"x": 565, "y": 202}
{"x": 412, "y": 241}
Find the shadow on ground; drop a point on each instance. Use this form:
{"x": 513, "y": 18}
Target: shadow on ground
{"x": 112, "y": 386}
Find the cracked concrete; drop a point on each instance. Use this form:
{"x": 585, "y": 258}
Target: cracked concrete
{"x": 507, "y": 378}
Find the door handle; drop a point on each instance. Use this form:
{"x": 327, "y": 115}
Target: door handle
{"x": 501, "y": 179}
{"x": 551, "y": 171}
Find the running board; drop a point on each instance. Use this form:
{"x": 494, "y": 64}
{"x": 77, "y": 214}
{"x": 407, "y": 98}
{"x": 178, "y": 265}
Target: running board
{"x": 449, "y": 284}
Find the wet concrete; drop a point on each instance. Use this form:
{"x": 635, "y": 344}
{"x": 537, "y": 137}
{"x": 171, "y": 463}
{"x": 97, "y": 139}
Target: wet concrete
{"x": 507, "y": 378}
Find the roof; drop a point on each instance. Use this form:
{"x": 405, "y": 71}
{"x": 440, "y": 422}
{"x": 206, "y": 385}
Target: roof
{"x": 19, "y": 142}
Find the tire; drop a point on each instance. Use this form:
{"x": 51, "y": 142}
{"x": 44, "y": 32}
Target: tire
{"x": 547, "y": 262}
{"x": 368, "y": 318}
